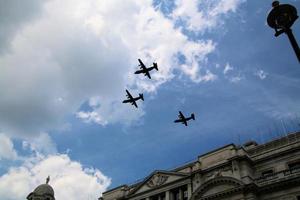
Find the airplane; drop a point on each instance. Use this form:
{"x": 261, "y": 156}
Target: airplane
{"x": 146, "y": 70}
{"x": 132, "y": 100}
{"x": 184, "y": 120}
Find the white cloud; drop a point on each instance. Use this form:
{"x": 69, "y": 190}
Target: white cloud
{"x": 89, "y": 117}
{"x": 69, "y": 179}
{"x": 227, "y": 68}
{"x": 261, "y": 74}
{"x": 113, "y": 111}
{"x": 203, "y": 15}
{"x": 15, "y": 14}
{"x": 195, "y": 54}
{"x": 234, "y": 76}
{"x": 7, "y": 150}
{"x": 77, "y": 50}
{"x": 42, "y": 143}
{"x": 236, "y": 79}
{"x": 225, "y": 6}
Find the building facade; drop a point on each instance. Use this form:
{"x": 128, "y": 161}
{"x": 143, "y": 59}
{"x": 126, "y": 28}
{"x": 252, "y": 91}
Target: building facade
{"x": 248, "y": 172}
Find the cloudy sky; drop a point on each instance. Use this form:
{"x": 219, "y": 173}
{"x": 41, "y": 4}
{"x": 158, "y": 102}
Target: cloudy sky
{"x": 65, "y": 65}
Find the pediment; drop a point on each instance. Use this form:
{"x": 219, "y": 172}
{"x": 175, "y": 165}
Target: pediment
{"x": 158, "y": 179}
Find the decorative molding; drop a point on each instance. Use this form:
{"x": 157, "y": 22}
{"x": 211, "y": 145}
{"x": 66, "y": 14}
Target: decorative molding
{"x": 157, "y": 180}
{"x": 238, "y": 186}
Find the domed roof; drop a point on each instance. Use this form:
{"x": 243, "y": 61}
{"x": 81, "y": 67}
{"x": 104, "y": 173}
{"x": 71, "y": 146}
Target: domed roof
{"x": 44, "y": 189}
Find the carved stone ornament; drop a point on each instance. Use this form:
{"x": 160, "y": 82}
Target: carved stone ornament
{"x": 157, "y": 180}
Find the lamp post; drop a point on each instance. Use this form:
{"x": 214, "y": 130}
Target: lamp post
{"x": 281, "y": 18}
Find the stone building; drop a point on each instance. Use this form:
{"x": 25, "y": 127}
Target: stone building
{"x": 248, "y": 172}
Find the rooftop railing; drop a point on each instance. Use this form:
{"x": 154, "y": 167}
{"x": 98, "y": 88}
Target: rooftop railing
{"x": 274, "y": 144}
{"x": 278, "y": 176}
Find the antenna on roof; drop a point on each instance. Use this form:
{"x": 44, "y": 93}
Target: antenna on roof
{"x": 271, "y": 131}
{"x": 283, "y": 127}
{"x": 297, "y": 122}
{"x": 276, "y": 130}
{"x": 239, "y": 139}
{"x": 290, "y": 125}
{"x": 294, "y": 124}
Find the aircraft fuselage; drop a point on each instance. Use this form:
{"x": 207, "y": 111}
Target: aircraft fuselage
{"x": 131, "y": 100}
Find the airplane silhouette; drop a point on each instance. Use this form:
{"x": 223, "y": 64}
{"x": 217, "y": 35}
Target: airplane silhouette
{"x": 146, "y": 70}
{"x": 132, "y": 100}
{"x": 184, "y": 120}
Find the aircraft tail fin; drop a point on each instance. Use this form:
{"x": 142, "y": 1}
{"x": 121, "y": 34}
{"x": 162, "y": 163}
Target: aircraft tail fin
{"x": 141, "y": 96}
{"x": 193, "y": 116}
{"x": 155, "y": 66}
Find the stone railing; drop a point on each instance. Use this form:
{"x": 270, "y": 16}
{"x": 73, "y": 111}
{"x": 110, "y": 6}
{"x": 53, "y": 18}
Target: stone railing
{"x": 278, "y": 176}
{"x": 269, "y": 146}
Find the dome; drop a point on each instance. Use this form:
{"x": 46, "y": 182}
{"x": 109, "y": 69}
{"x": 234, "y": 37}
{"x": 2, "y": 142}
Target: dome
{"x": 42, "y": 192}
{"x": 44, "y": 189}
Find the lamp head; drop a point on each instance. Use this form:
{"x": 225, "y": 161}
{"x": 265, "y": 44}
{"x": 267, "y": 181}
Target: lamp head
{"x": 282, "y": 16}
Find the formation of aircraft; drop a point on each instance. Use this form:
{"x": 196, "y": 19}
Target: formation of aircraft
{"x": 183, "y": 119}
{"x": 133, "y": 100}
{"x": 146, "y": 70}
{"x": 143, "y": 69}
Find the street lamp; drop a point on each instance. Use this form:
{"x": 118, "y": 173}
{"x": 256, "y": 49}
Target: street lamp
{"x": 281, "y": 18}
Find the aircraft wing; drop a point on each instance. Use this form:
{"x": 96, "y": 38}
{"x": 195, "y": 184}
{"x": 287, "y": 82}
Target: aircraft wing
{"x": 147, "y": 74}
{"x": 129, "y": 95}
{"x": 134, "y": 103}
{"x": 143, "y": 67}
{"x": 181, "y": 116}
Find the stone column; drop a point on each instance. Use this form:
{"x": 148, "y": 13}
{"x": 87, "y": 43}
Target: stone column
{"x": 189, "y": 190}
{"x": 168, "y": 197}
{"x": 180, "y": 194}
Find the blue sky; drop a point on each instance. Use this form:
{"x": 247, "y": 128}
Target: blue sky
{"x": 217, "y": 59}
